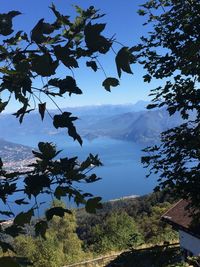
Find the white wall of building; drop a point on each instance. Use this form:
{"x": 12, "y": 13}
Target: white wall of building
{"x": 189, "y": 242}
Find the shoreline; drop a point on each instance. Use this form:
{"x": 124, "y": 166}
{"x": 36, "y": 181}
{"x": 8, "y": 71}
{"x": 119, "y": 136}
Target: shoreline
{"x": 124, "y": 198}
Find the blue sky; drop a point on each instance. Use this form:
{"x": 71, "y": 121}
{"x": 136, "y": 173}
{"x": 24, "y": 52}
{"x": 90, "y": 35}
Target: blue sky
{"x": 122, "y": 19}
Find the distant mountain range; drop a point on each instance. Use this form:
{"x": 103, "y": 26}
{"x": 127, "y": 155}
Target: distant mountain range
{"x": 130, "y": 122}
{"x": 140, "y": 127}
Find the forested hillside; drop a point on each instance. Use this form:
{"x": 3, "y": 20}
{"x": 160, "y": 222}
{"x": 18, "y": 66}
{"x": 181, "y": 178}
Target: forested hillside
{"x": 120, "y": 225}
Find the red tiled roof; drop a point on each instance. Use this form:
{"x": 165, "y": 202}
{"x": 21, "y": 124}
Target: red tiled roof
{"x": 181, "y": 218}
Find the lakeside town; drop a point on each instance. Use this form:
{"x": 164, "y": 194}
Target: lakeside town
{"x": 15, "y": 157}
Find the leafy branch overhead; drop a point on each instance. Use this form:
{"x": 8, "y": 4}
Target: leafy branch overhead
{"x": 52, "y": 46}
{"x": 36, "y": 68}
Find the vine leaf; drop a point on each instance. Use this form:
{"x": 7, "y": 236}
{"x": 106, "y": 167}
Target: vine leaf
{"x": 41, "y": 228}
{"x": 61, "y": 191}
{"x": 24, "y": 217}
{"x": 123, "y": 60}
{"x": 36, "y": 183}
{"x": 147, "y": 78}
{"x": 108, "y": 82}
{"x": 3, "y": 105}
{"x": 65, "y": 121}
{"x": 41, "y": 28}
{"x": 42, "y": 109}
{"x": 57, "y": 211}
{"x": 94, "y": 41}
{"x": 92, "y": 204}
{"x": 66, "y": 85}
{"x": 92, "y": 64}
{"x": 6, "y": 22}
{"x": 63, "y": 54}
{"x": 44, "y": 65}
{"x": 61, "y": 19}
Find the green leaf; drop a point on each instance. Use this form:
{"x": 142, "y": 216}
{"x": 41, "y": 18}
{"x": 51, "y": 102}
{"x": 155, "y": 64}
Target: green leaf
{"x": 108, "y": 82}
{"x": 66, "y": 85}
{"x": 44, "y": 65}
{"x": 57, "y": 211}
{"x": 65, "y": 121}
{"x": 6, "y": 22}
{"x": 41, "y": 28}
{"x": 35, "y": 184}
{"x": 94, "y": 30}
{"x": 64, "y": 54}
{"x": 92, "y": 64}
{"x": 147, "y": 78}
{"x": 3, "y": 105}
{"x": 64, "y": 20}
{"x": 48, "y": 151}
{"x": 22, "y": 111}
{"x": 24, "y": 217}
{"x": 123, "y": 60}
{"x": 41, "y": 228}
{"x": 15, "y": 39}
{"x": 42, "y": 109}
{"x": 92, "y": 204}
{"x": 92, "y": 178}
{"x": 94, "y": 41}
{"x": 61, "y": 191}
{"x": 8, "y": 262}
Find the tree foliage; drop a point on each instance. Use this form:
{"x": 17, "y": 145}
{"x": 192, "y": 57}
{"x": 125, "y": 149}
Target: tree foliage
{"x": 79, "y": 236}
{"x": 117, "y": 232}
{"x": 25, "y": 59}
{"x": 125, "y": 224}
{"x": 154, "y": 230}
{"x": 170, "y": 53}
{"x": 61, "y": 245}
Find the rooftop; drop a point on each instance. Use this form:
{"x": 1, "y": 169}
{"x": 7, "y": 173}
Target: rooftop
{"x": 182, "y": 218}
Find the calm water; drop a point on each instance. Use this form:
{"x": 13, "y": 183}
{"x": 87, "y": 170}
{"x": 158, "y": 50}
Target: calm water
{"x": 122, "y": 173}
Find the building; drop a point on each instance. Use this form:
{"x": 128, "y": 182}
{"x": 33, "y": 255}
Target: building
{"x": 182, "y": 220}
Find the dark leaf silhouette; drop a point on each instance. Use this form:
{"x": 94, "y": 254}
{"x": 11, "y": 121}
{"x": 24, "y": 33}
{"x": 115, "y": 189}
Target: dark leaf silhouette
{"x": 108, "y": 82}
{"x": 92, "y": 204}
{"x": 92, "y": 64}
{"x": 57, "y": 211}
{"x": 123, "y": 61}
{"x": 24, "y": 217}
{"x": 41, "y": 228}
{"x": 95, "y": 41}
{"x": 42, "y": 109}
{"x": 63, "y": 54}
{"x": 66, "y": 85}
{"x": 6, "y": 22}
{"x": 65, "y": 121}
{"x": 44, "y": 65}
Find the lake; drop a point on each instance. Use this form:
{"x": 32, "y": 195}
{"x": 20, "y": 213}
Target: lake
{"x": 122, "y": 173}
